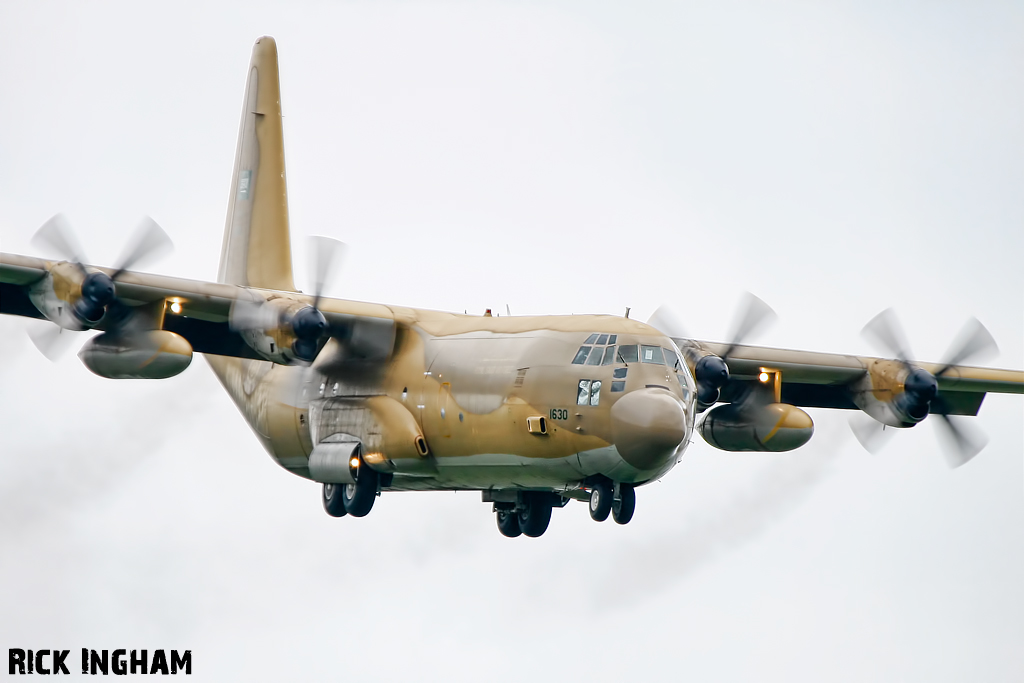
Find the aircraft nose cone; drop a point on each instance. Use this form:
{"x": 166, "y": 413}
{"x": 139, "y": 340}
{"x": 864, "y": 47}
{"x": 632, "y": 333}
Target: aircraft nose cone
{"x": 647, "y": 426}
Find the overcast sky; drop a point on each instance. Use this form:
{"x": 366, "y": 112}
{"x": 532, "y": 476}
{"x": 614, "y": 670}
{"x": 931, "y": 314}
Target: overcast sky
{"x": 834, "y": 158}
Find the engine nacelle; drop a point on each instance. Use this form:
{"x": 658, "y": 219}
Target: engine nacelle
{"x": 774, "y": 427}
{"x": 152, "y": 354}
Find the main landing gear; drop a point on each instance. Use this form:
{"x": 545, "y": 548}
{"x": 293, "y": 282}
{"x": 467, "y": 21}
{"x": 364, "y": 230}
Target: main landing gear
{"x": 608, "y": 497}
{"x": 529, "y": 514}
{"x": 353, "y": 499}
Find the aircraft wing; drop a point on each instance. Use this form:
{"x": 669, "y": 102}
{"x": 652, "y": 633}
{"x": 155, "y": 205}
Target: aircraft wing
{"x": 823, "y": 380}
{"x": 204, "y": 306}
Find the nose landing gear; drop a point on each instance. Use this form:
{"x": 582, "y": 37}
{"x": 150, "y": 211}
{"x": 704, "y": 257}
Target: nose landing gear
{"x": 615, "y": 498}
{"x": 624, "y": 504}
{"x": 600, "y": 500}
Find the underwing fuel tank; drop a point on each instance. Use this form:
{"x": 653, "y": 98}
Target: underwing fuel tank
{"x": 151, "y": 354}
{"x": 774, "y": 427}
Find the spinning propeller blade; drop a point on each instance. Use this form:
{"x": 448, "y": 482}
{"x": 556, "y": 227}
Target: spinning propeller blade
{"x": 973, "y": 341}
{"x": 753, "y": 314}
{"x": 325, "y": 256}
{"x": 53, "y": 341}
{"x": 885, "y": 331}
{"x": 56, "y": 235}
{"x": 667, "y": 322}
{"x": 960, "y": 441}
{"x": 871, "y": 433}
{"x": 148, "y": 243}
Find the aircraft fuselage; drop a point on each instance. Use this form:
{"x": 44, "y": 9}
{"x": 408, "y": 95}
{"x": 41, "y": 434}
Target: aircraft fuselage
{"x": 499, "y": 403}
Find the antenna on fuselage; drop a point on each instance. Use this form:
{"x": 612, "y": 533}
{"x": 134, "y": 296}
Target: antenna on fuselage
{"x": 627, "y": 311}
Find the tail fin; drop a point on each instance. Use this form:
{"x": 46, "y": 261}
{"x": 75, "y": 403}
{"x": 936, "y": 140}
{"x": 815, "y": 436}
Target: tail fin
{"x": 257, "y": 247}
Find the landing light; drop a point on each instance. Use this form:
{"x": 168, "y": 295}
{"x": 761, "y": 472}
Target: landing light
{"x": 175, "y": 307}
{"x": 353, "y": 463}
{"x": 763, "y": 377}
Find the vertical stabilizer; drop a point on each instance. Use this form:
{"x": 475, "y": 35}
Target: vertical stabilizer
{"x": 257, "y": 247}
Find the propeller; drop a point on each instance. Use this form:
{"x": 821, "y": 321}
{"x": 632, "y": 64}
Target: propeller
{"x": 308, "y": 324}
{"x": 921, "y": 388}
{"x": 147, "y": 243}
{"x": 99, "y": 296}
{"x": 712, "y": 372}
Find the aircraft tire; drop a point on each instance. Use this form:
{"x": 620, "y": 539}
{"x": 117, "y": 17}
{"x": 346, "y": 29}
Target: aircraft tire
{"x": 622, "y": 509}
{"x": 360, "y": 496}
{"x": 333, "y": 504}
{"x": 508, "y": 523}
{"x": 600, "y": 501}
{"x": 536, "y": 515}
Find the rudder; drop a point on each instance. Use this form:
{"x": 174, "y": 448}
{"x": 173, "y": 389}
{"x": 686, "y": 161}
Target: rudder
{"x": 257, "y": 245}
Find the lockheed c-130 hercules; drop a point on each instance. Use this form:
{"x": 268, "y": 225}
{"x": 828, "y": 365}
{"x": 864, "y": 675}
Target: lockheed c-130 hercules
{"x": 531, "y": 411}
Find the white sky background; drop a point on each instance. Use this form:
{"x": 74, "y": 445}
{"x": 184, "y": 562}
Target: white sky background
{"x": 836, "y": 159}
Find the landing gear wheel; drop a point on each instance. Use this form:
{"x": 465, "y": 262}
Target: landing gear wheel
{"x": 623, "y": 507}
{"x": 332, "y": 500}
{"x": 600, "y": 501}
{"x": 535, "y": 515}
{"x": 508, "y": 523}
{"x": 359, "y": 497}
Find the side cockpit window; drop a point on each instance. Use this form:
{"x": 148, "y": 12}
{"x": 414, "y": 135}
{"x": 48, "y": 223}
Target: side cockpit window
{"x": 588, "y": 392}
{"x": 583, "y": 393}
{"x": 581, "y": 355}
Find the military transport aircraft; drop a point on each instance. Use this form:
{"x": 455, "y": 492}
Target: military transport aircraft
{"x": 531, "y": 411}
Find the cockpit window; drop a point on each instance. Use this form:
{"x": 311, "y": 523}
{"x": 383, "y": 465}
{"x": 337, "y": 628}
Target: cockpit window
{"x": 609, "y": 356}
{"x": 581, "y": 356}
{"x": 602, "y": 340}
{"x": 591, "y": 339}
{"x": 595, "y": 392}
{"x": 628, "y": 354}
{"x": 671, "y": 359}
{"x": 652, "y": 354}
{"x": 613, "y": 338}
{"x": 595, "y": 357}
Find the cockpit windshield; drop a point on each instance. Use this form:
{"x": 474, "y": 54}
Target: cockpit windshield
{"x": 652, "y": 354}
{"x": 628, "y": 353}
{"x": 599, "y": 349}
